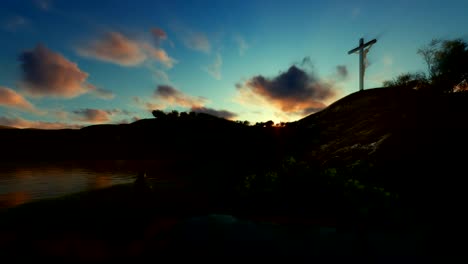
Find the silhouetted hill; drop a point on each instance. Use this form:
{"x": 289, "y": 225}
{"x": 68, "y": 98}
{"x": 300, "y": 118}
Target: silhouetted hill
{"x": 7, "y": 127}
{"x": 391, "y": 128}
{"x": 201, "y": 140}
{"x": 363, "y": 124}
{"x": 375, "y": 124}
{"x": 386, "y": 123}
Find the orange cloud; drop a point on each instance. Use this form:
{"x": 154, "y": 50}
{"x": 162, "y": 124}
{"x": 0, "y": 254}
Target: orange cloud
{"x": 92, "y": 115}
{"x": 100, "y": 92}
{"x": 114, "y": 47}
{"x": 46, "y": 73}
{"x": 171, "y": 95}
{"x": 11, "y": 98}
{"x": 159, "y": 35}
{"x": 23, "y": 123}
{"x": 159, "y": 55}
{"x": 148, "y": 106}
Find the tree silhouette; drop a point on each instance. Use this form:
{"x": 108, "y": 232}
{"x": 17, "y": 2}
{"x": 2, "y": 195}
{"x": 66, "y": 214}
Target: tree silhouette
{"x": 192, "y": 115}
{"x": 159, "y": 114}
{"x": 184, "y": 115}
{"x": 429, "y": 55}
{"x": 447, "y": 68}
{"x": 259, "y": 124}
{"x": 174, "y": 114}
{"x": 451, "y": 64}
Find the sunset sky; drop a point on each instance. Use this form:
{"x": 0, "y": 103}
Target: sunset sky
{"x": 76, "y": 63}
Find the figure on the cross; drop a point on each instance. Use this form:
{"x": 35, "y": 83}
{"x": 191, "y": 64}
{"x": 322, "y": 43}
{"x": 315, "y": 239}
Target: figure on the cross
{"x": 363, "y": 49}
{"x": 366, "y": 61}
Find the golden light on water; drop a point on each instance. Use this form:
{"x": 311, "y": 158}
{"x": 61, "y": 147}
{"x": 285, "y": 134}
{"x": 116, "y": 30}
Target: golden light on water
{"x": 21, "y": 182}
{"x": 13, "y": 199}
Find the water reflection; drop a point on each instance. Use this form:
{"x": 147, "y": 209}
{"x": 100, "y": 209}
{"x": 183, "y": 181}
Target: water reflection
{"x": 28, "y": 181}
{"x": 100, "y": 181}
{"x": 13, "y": 199}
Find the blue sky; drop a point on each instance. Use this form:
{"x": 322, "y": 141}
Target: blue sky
{"x": 76, "y": 63}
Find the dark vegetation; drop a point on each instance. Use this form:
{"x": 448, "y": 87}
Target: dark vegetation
{"x": 389, "y": 159}
{"x": 447, "y": 70}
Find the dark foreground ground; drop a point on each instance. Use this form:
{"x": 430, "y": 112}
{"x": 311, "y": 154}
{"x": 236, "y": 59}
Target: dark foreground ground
{"x": 171, "y": 221}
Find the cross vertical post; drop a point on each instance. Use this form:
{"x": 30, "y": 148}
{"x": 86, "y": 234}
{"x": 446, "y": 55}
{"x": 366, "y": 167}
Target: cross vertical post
{"x": 362, "y": 67}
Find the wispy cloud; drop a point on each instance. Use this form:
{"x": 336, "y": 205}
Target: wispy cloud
{"x": 159, "y": 55}
{"x": 161, "y": 76}
{"x": 129, "y": 120}
{"x": 12, "y": 99}
{"x": 24, "y": 123}
{"x": 117, "y": 48}
{"x": 197, "y": 41}
{"x": 172, "y": 96}
{"x": 114, "y": 47}
{"x": 15, "y": 23}
{"x": 147, "y": 106}
{"x": 166, "y": 96}
{"x": 192, "y": 39}
{"x": 159, "y": 35}
{"x": 215, "y": 68}
{"x": 101, "y": 92}
{"x": 341, "y": 72}
{"x": 59, "y": 114}
{"x": 355, "y": 12}
{"x": 45, "y": 5}
{"x": 241, "y": 44}
{"x": 387, "y": 60}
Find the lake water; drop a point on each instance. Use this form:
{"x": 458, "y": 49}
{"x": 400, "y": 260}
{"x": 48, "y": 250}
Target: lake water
{"x": 22, "y": 182}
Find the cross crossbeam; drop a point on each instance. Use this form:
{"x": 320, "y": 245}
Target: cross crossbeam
{"x": 361, "y": 51}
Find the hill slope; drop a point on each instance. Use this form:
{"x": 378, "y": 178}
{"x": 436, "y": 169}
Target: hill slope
{"x": 405, "y": 140}
{"x": 391, "y": 122}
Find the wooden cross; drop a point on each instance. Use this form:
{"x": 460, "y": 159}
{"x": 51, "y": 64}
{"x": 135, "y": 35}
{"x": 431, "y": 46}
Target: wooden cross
{"x": 362, "y": 53}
